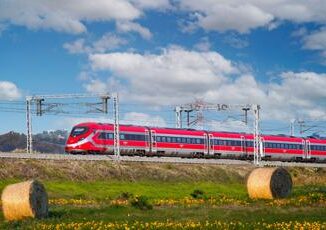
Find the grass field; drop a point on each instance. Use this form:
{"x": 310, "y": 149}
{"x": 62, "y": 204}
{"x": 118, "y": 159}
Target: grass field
{"x": 218, "y": 203}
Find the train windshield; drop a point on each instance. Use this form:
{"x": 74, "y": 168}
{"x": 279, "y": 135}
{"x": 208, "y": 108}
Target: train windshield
{"x": 78, "y": 131}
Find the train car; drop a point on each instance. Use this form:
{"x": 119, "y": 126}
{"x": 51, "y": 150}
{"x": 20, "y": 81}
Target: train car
{"x": 283, "y": 147}
{"x": 179, "y": 142}
{"x": 234, "y": 145}
{"x": 98, "y": 138}
{"x": 315, "y": 149}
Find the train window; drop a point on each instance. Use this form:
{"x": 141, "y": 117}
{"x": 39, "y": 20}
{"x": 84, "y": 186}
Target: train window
{"x": 199, "y": 141}
{"x": 168, "y": 139}
{"x": 122, "y": 137}
{"x": 158, "y": 139}
{"x": 179, "y": 139}
{"x": 76, "y": 131}
{"x": 109, "y": 136}
{"x": 173, "y": 139}
{"x": 250, "y": 143}
{"x": 183, "y": 140}
{"x": 102, "y": 136}
{"x": 163, "y": 139}
{"x": 286, "y": 146}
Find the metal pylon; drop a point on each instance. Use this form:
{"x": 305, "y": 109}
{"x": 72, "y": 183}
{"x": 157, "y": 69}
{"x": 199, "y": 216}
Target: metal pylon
{"x": 116, "y": 127}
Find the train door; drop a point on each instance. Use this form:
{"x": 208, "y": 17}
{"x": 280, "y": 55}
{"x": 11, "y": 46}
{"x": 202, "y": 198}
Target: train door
{"x": 303, "y": 144}
{"x": 211, "y": 144}
{"x": 153, "y": 141}
{"x": 243, "y": 146}
{"x": 147, "y": 141}
{"x": 308, "y": 149}
{"x": 206, "y": 148}
{"x": 262, "y": 147}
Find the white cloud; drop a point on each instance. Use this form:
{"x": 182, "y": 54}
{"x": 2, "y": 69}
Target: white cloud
{"x": 316, "y": 40}
{"x": 97, "y": 86}
{"x": 127, "y": 26}
{"x": 227, "y": 15}
{"x": 203, "y": 45}
{"x": 9, "y": 91}
{"x": 133, "y": 118}
{"x": 107, "y": 42}
{"x": 150, "y": 4}
{"x": 154, "y": 78}
{"x": 243, "y": 16}
{"x": 229, "y": 125}
{"x": 65, "y": 16}
{"x": 76, "y": 47}
{"x": 179, "y": 76}
{"x": 136, "y": 118}
{"x": 236, "y": 41}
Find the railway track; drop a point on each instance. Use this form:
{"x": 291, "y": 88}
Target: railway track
{"x": 154, "y": 159}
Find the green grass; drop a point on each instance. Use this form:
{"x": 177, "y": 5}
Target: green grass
{"x": 101, "y": 190}
{"x": 153, "y": 190}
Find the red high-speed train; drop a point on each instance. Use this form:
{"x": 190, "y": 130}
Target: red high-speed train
{"x": 97, "y": 138}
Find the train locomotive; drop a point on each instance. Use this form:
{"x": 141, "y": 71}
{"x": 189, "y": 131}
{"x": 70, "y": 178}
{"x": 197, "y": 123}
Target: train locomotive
{"x": 98, "y": 138}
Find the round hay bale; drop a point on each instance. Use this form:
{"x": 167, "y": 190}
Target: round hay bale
{"x": 269, "y": 183}
{"x": 26, "y": 199}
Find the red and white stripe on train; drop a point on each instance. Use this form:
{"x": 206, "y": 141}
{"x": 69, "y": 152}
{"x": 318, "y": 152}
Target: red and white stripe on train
{"x": 97, "y": 138}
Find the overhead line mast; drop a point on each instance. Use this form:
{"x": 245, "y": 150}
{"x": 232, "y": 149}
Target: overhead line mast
{"x": 199, "y": 106}
{"x": 42, "y": 108}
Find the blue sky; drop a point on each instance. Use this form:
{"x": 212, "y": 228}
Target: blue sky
{"x": 158, "y": 54}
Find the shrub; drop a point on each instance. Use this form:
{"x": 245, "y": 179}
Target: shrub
{"x": 141, "y": 202}
{"x": 198, "y": 194}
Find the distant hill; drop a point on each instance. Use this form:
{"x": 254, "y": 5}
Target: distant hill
{"x": 46, "y": 142}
